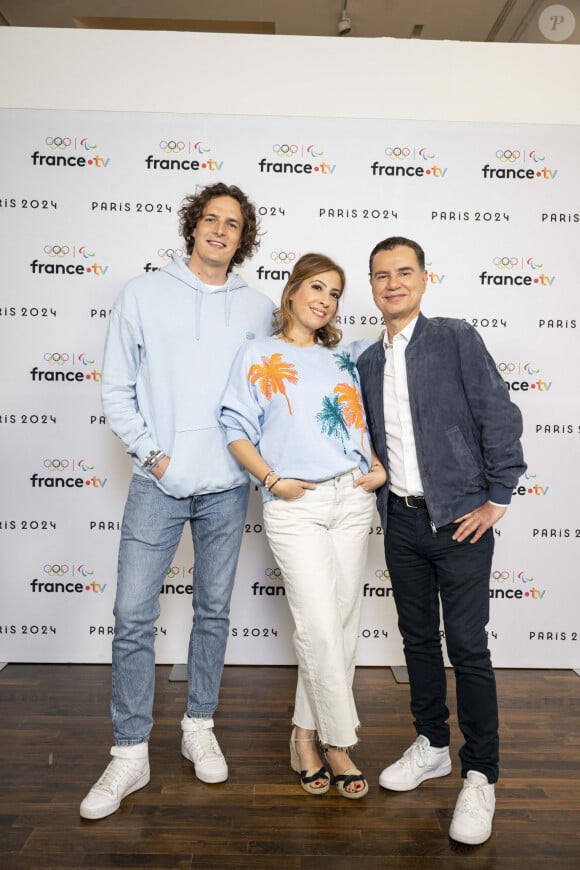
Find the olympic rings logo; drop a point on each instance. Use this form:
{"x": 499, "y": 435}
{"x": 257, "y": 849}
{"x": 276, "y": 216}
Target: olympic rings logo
{"x": 56, "y": 570}
{"x": 56, "y": 464}
{"x": 507, "y": 368}
{"x": 397, "y": 153}
{"x": 171, "y": 146}
{"x": 382, "y": 575}
{"x": 61, "y": 142}
{"x": 501, "y": 576}
{"x": 508, "y": 155}
{"x": 283, "y": 256}
{"x": 173, "y": 571}
{"x": 505, "y": 262}
{"x": 285, "y": 150}
{"x": 167, "y": 253}
{"x": 56, "y": 358}
{"x": 56, "y": 250}
{"x": 272, "y": 572}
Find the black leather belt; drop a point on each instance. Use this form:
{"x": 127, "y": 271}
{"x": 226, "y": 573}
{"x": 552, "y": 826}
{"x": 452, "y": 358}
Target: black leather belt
{"x": 412, "y": 501}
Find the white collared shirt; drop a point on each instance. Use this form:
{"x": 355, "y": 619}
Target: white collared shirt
{"x": 404, "y": 475}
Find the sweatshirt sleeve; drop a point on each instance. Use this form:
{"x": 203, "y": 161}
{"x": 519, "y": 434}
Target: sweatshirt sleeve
{"x": 240, "y": 414}
{"x": 119, "y": 387}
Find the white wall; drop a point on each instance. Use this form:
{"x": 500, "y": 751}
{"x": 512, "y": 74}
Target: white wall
{"x": 285, "y": 75}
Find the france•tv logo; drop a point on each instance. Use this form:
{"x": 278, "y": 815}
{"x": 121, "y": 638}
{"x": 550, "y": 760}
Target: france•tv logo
{"x": 531, "y": 487}
{"x": 67, "y": 578}
{"x": 520, "y": 164}
{"x": 65, "y": 367}
{"x": 296, "y": 159}
{"x": 514, "y": 585}
{"x": 434, "y": 278}
{"x": 409, "y": 161}
{"x": 58, "y": 473}
{"x": 200, "y": 155}
{"x": 61, "y": 150}
{"x": 524, "y": 374}
{"x": 64, "y": 260}
{"x": 509, "y": 269}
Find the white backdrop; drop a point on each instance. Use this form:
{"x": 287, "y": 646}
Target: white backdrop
{"x": 500, "y": 253}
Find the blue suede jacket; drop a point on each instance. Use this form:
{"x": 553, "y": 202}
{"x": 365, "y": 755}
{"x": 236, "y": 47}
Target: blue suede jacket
{"x": 467, "y": 430}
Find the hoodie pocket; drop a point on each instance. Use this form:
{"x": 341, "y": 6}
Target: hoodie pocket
{"x": 200, "y": 463}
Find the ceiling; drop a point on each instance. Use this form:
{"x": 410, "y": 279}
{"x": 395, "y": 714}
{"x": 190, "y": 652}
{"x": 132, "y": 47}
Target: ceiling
{"x": 463, "y": 20}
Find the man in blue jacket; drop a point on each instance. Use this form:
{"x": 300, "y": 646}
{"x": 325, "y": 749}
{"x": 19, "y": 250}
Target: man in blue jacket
{"x": 172, "y": 337}
{"x": 441, "y": 418}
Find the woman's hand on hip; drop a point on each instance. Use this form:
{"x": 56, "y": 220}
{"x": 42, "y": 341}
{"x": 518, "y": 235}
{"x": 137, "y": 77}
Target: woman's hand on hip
{"x": 291, "y": 489}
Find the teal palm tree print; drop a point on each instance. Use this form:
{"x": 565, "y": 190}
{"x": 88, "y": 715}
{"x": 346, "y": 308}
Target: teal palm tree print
{"x": 347, "y": 364}
{"x": 331, "y": 419}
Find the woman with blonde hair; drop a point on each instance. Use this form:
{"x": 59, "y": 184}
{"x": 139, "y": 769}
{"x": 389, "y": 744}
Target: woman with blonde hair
{"x": 294, "y": 418}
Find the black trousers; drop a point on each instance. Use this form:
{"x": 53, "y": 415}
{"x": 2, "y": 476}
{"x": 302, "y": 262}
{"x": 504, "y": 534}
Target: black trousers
{"x": 426, "y": 569}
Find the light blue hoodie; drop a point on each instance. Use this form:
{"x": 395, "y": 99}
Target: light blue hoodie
{"x": 168, "y": 353}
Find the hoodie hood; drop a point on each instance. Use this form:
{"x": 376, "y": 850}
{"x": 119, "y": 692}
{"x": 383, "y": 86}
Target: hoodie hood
{"x": 179, "y": 270}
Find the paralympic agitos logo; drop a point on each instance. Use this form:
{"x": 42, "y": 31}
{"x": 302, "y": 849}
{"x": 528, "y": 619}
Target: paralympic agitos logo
{"x": 410, "y": 162}
{"x": 186, "y": 155}
{"x": 296, "y": 159}
{"x": 66, "y": 367}
{"x": 67, "y": 474}
{"x": 520, "y": 164}
{"x": 62, "y": 259}
{"x": 71, "y": 152}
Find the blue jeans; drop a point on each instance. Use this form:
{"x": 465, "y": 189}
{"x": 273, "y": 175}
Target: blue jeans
{"x": 425, "y": 568}
{"x": 152, "y": 527}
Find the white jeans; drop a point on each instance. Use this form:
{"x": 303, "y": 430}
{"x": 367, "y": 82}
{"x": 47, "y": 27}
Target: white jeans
{"x": 320, "y": 544}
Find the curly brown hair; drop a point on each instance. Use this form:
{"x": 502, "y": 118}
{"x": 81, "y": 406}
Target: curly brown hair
{"x": 192, "y": 209}
{"x": 306, "y": 267}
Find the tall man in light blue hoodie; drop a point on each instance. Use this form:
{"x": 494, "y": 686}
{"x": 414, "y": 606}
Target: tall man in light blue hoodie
{"x": 172, "y": 337}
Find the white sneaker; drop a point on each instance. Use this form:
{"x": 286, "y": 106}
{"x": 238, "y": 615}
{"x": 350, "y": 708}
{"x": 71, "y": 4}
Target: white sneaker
{"x": 199, "y": 745}
{"x": 126, "y": 773}
{"x": 421, "y": 761}
{"x": 474, "y": 810}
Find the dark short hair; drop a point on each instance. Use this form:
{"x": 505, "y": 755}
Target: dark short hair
{"x": 397, "y": 242}
{"x": 192, "y": 209}
{"x": 306, "y": 267}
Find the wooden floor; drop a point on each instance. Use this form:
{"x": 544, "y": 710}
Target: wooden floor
{"x": 55, "y": 737}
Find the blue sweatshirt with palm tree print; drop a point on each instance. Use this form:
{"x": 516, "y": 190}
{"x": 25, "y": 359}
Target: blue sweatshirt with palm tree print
{"x": 300, "y": 406}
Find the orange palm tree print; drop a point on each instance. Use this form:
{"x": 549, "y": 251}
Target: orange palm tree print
{"x": 271, "y": 375}
{"x": 352, "y": 407}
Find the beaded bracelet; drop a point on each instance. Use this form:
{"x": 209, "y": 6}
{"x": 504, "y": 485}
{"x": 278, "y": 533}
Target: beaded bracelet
{"x": 267, "y": 476}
